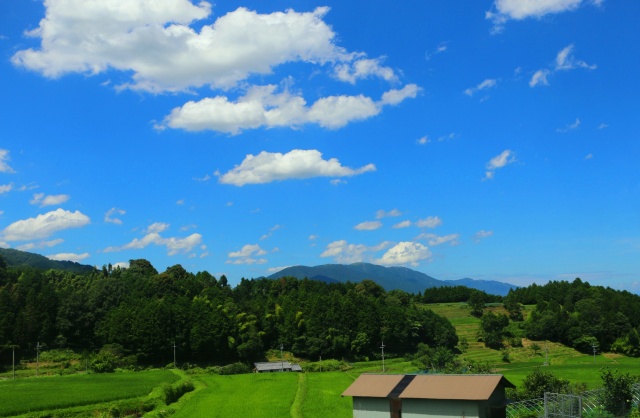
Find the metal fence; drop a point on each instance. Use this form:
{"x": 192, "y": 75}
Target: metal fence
{"x": 556, "y": 405}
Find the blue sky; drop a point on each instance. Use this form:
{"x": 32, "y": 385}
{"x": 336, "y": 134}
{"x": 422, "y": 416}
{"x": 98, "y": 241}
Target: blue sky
{"x": 495, "y": 140}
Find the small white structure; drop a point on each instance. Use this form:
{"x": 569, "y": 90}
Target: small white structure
{"x": 276, "y": 366}
{"x": 432, "y": 396}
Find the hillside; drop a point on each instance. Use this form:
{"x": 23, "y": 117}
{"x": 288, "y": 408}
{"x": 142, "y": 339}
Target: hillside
{"x": 388, "y": 277}
{"x": 16, "y": 258}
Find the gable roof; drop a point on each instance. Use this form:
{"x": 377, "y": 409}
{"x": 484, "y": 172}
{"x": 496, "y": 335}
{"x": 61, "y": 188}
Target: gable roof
{"x": 435, "y": 386}
{"x": 273, "y": 365}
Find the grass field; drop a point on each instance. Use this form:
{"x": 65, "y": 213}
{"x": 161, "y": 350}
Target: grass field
{"x": 38, "y": 394}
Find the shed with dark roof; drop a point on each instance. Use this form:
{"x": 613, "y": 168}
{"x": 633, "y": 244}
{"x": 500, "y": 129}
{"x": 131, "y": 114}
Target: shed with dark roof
{"x": 433, "y": 396}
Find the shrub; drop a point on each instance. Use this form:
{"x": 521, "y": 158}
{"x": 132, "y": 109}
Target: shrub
{"x": 174, "y": 392}
{"x": 235, "y": 368}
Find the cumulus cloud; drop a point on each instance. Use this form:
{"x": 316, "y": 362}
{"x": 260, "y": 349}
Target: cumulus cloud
{"x": 504, "y": 158}
{"x": 405, "y": 253}
{"x": 364, "y": 68}
{"x": 346, "y": 253}
{"x": 403, "y": 224}
{"x": 504, "y": 10}
{"x": 433, "y": 239}
{"x": 68, "y": 257}
{"x": 6, "y": 188}
{"x": 247, "y": 255}
{"x": 486, "y": 84}
{"x": 429, "y": 222}
{"x": 4, "y": 162}
{"x": 42, "y": 226}
{"x": 110, "y": 216}
{"x": 267, "y": 167}
{"x": 265, "y": 107}
{"x": 152, "y": 237}
{"x": 49, "y": 200}
{"x": 368, "y": 226}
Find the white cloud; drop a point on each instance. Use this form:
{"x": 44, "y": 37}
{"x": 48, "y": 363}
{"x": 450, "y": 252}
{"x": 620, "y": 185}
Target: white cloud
{"x": 44, "y": 225}
{"x": 486, "y": 84}
{"x": 566, "y": 61}
{"x": 482, "y": 234}
{"x": 42, "y": 244}
{"x": 522, "y": 9}
{"x": 429, "y": 222}
{"x": 4, "y": 165}
{"x": 110, "y": 218}
{"x": 504, "y": 158}
{"x": 364, "y": 68}
{"x": 405, "y": 253}
{"x": 267, "y": 167}
{"x": 49, "y": 200}
{"x": 68, "y": 257}
{"x": 271, "y": 231}
{"x": 121, "y": 264}
{"x": 174, "y": 245}
{"x": 392, "y": 213}
{"x": 247, "y": 255}
{"x": 368, "y": 226}
{"x": 571, "y": 127}
{"x": 433, "y": 239}
{"x": 346, "y": 253}
{"x": 539, "y": 78}
{"x": 5, "y": 188}
{"x": 403, "y": 224}
{"x": 423, "y": 140}
{"x": 263, "y": 107}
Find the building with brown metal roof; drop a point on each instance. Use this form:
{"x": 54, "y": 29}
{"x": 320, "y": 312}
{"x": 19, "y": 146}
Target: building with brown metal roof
{"x": 433, "y": 396}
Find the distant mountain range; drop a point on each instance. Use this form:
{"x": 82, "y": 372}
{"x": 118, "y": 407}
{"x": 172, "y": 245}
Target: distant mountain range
{"x": 388, "y": 277}
{"x": 23, "y": 258}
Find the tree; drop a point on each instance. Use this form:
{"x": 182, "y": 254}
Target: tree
{"x": 492, "y": 327}
{"x": 538, "y": 382}
{"x": 476, "y": 303}
{"x": 617, "y": 394}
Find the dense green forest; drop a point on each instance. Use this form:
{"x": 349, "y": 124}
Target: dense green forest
{"x": 144, "y": 313}
{"x": 141, "y": 314}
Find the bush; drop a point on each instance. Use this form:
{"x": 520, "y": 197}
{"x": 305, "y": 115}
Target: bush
{"x": 326, "y": 366}
{"x": 58, "y": 355}
{"x": 235, "y": 368}
{"x": 174, "y": 392}
{"x": 104, "y": 362}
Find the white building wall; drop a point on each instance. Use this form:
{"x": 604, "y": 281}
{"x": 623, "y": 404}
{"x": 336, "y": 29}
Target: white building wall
{"x": 432, "y": 408}
{"x": 371, "y": 407}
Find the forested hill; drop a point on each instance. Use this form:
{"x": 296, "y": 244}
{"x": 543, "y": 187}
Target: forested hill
{"x": 389, "y": 278}
{"x": 22, "y": 258}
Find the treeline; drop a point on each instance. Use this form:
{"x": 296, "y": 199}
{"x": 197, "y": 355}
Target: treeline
{"x": 580, "y": 315}
{"x": 146, "y": 313}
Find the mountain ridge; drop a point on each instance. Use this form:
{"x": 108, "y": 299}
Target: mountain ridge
{"x": 389, "y": 278}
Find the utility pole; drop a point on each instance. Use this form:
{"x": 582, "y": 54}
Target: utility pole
{"x": 13, "y": 354}
{"x": 37, "y": 357}
{"x": 174, "y": 354}
{"x": 546, "y": 359}
{"x": 382, "y": 348}
{"x": 594, "y": 352}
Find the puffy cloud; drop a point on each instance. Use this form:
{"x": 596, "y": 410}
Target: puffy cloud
{"x": 429, "y": 222}
{"x": 262, "y": 107}
{"x": 68, "y": 257}
{"x": 433, "y": 239}
{"x": 343, "y": 252}
{"x": 174, "y": 245}
{"x": 110, "y": 218}
{"x": 486, "y": 84}
{"x": 44, "y": 225}
{"x": 247, "y": 255}
{"x": 405, "y": 253}
{"x": 364, "y": 68}
{"x": 267, "y": 167}
{"x": 504, "y": 158}
{"x": 368, "y": 226}
{"x": 523, "y": 9}
{"x": 4, "y": 165}
{"x": 49, "y": 200}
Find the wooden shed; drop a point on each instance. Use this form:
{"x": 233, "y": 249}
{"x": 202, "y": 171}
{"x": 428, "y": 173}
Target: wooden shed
{"x": 433, "y": 396}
